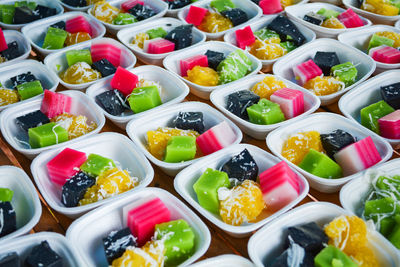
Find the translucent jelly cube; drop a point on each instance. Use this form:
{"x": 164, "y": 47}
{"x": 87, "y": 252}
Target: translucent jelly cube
{"x": 215, "y": 22}
{"x": 320, "y": 165}
{"x": 80, "y": 73}
{"x": 105, "y": 12}
{"x": 124, "y": 19}
{"x": 245, "y": 37}
{"x": 3, "y": 42}
{"x": 235, "y": 66}
{"x": 54, "y": 104}
{"x": 241, "y": 204}
{"x": 96, "y": 164}
{"x": 204, "y": 76}
{"x": 270, "y": 7}
{"x": 372, "y": 113}
{"x": 8, "y": 96}
{"x": 298, "y": 145}
{"x": 268, "y": 86}
{"x": 196, "y": 15}
{"x": 345, "y": 72}
{"x": 324, "y": 85}
{"x": 332, "y": 256}
{"x": 6, "y": 194}
{"x": 189, "y": 63}
{"x": 124, "y": 81}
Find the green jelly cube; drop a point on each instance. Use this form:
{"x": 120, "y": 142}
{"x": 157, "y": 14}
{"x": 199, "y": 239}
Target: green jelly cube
{"x": 328, "y": 13}
{"x": 144, "y": 98}
{"x": 180, "y": 148}
{"x": 124, "y": 19}
{"x": 96, "y": 164}
{"x": 207, "y": 186}
{"x": 394, "y": 237}
{"x": 320, "y": 165}
{"x": 47, "y": 135}
{"x": 345, "y": 72}
{"x": 179, "y": 241}
{"x": 289, "y": 46}
{"x": 6, "y": 194}
{"x": 386, "y": 183}
{"x": 377, "y": 40}
{"x": 333, "y": 257}
{"x": 7, "y": 13}
{"x": 75, "y": 56}
{"x": 373, "y": 208}
{"x": 235, "y": 66}
{"x": 29, "y": 89}
{"x": 54, "y": 38}
{"x": 156, "y": 33}
{"x": 265, "y": 33}
{"x": 372, "y": 113}
{"x": 386, "y": 226}
{"x": 265, "y": 112}
{"x": 222, "y": 5}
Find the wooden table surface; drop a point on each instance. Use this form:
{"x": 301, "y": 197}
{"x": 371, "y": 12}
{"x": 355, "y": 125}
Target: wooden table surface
{"x": 221, "y": 242}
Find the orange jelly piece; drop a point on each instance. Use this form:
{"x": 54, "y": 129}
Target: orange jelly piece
{"x": 78, "y": 37}
{"x": 79, "y": 73}
{"x": 8, "y": 96}
{"x": 241, "y": 204}
{"x": 333, "y": 23}
{"x": 75, "y": 125}
{"x": 267, "y": 86}
{"x": 267, "y": 50}
{"x": 150, "y": 255}
{"x": 204, "y": 76}
{"x": 215, "y": 22}
{"x": 105, "y": 12}
{"x": 286, "y": 3}
{"x": 297, "y": 146}
{"x": 324, "y": 85}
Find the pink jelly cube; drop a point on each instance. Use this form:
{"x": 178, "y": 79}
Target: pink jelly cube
{"x": 306, "y": 71}
{"x": 78, "y": 24}
{"x": 106, "y": 51}
{"x": 191, "y": 62}
{"x": 216, "y": 138}
{"x": 54, "y": 104}
{"x": 196, "y": 15}
{"x": 65, "y": 165}
{"x": 358, "y": 156}
{"x": 350, "y": 19}
{"x": 143, "y": 219}
{"x": 389, "y": 125}
{"x": 245, "y": 37}
{"x": 270, "y": 6}
{"x": 3, "y": 42}
{"x": 158, "y": 46}
{"x": 129, "y": 4}
{"x": 124, "y": 81}
{"x": 385, "y": 54}
{"x": 290, "y": 101}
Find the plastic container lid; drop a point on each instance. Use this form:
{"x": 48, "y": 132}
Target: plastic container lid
{"x": 23, "y": 44}
{"x": 184, "y": 181}
{"x": 137, "y": 129}
{"x": 25, "y": 200}
{"x": 35, "y": 32}
{"x": 87, "y": 233}
{"x": 81, "y": 105}
{"x": 325, "y": 123}
{"x": 227, "y": 260}
{"x": 376, "y": 18}
{"x": 47, "y": 79}
{"x": 365, "y": 64}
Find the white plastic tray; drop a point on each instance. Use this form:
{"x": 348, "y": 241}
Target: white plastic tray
{"x": 220, "y": 96}
{"x": 365, "y": 64}
{"x": 87, "y": 233}
{"x": 81, "y": 105}
{"x": 325, "y": 123}
{"x": 360, "y": 39}
{"x": 111, "y": 145}
{"x": 184, "y": 181}
{"x": 47, "y": 3}
{"x": 71, "y": 8}
{"x": 126, "y": 36}
{"x": 173, "y": 91}
{"x": 23, "y": 246}
{"x": 375, "y": 18}
{"x": 35, "y": 32}
{"x": 137, "y": 129}
{"x": 297, "y": 14}
{"x": 57, "y": 62}
{"x": 366, "y": 94}
{"x": 252, "y": 10}
{"x": 227, "y": 260}
{"x": 174, "y": 12}
{"x": 23, "y": 44}
{"x": 25, "y": 200}
{"x": 333, "y": 2}
{"x": 268, "y": 243}
{"x": 48, "y": 79}
{"x": 158, "y": 6}
{"x": 172, "y": 63}
{"x": 230, "y": 37}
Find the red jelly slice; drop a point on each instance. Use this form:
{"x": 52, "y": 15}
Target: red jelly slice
{"x": 129, "y": 4}
{"x": 196, "y": 15}
{"x": 3, "y": 42}
{"x": 189, "y": 63}
{"x": 270, "y": 6}
{"x": 78, "y": 24}
{"x": 245, "y": 37}
{"x": 106, "y": 51}
{"x": 158, "y": 46}
{"x": 54, "y": 104}
{"x": 350, "y": 19}
{"x": 216, "y": 138}
{"x": 124, "y": 81}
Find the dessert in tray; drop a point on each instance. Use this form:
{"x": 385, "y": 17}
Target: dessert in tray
{"x": 22, "y": 12}
{"x": 381, "y": 7}
{"x": 270, "y": 7}
{"x": 176, "y": 4}
{"x": 8, "y": 51}
{"x": 8, "y": 222}
{"x": 332, "y": 19}
{"x": 384, "y": 47}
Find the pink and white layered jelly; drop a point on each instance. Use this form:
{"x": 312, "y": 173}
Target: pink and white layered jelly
{"x": 54, "y": 104}
{"x": 196, "y": 15}
{"x": 3, "y": 42}
{"x": 358, "y": 156}
{"x": 124, "y": 81}
{"x": 306, "y": 71}
{"x": 385, "y": 54}
{"x": 216, "y": 138}
{"x": 78, "y": 24}
{"x": 245, "y": 37}
{"x": 270, "y": 6}
{"x": 350, "y": 19}
{"x": 158, "y": 46}
{"x": 129, "y": 4}
{"x": 389, "y": 125}
{"x": 279, "y": 185}
{"x": 107, "y": 51}
{"x": 290, "y": 101}
{"x": 142, "y": 219}
{"x": 191, "y": 62}
{"x": 65, "y": 165}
